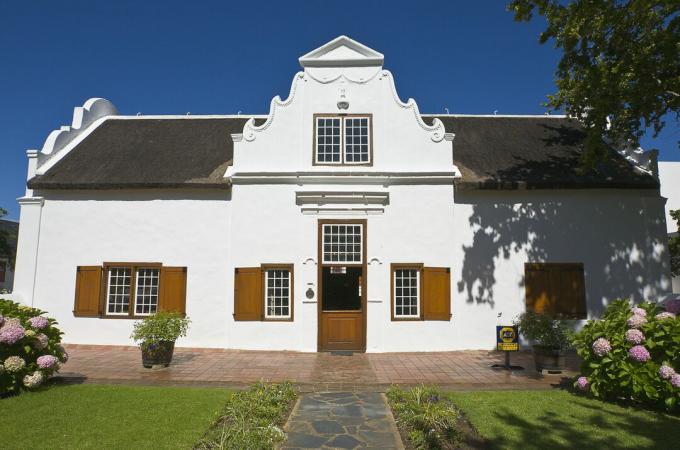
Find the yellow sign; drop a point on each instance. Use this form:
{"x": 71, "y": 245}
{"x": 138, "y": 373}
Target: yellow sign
{"x": 507, "y": 339}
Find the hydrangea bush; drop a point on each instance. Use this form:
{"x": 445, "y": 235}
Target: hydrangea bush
{"x": 30, "y": 347}
{"x": 632, "y": 354}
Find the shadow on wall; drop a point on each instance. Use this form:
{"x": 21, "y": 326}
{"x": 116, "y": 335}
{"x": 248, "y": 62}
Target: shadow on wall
{"x": 618, "y": 235}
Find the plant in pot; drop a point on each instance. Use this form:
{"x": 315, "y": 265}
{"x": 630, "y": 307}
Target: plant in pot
{"x": 157, "y": 334}
{"x": 550, "y": 337}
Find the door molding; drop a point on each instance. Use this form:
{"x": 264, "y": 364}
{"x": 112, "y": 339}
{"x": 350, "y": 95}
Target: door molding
{"x": 364, "y": 278}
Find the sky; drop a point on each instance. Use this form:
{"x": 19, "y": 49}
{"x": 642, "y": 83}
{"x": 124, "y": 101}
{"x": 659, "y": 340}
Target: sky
{"x": 222, "y": 57}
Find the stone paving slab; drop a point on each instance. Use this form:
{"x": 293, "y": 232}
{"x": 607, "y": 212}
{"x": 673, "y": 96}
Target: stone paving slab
{"x": 344, "y": 420}
{"x": 458, "y": 370}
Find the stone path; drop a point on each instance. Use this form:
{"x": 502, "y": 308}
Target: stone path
{"x": 343, "y": 420}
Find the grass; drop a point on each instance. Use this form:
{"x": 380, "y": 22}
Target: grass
{"x": 561, "y": 420}
{"x": 111, "y": 417}
{"x": 252, "y": 419}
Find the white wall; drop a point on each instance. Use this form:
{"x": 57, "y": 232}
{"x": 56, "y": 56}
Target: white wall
{"x": 669, "y": 177}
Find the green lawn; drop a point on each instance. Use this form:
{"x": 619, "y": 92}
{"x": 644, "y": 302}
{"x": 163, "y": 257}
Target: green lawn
{"x": 110, "y": 417}
{"x": 560, "y": 420}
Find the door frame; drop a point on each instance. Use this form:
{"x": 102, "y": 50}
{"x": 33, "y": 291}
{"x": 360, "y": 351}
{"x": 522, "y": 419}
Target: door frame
{"x": 319, "y": 276}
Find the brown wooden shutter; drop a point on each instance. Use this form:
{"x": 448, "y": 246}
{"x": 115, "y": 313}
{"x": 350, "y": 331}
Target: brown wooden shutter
{"x": 88, "y": 291}
{"x": 556, "y": 289}
{"x": 248, "y": 300}
{"x": 436, "y": 293}
{"x": 173, "y": 295}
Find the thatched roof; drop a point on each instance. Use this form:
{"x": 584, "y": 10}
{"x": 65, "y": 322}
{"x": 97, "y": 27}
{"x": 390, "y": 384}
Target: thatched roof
{"x": 532, "y": 153}
{"x": 491, "y": 152}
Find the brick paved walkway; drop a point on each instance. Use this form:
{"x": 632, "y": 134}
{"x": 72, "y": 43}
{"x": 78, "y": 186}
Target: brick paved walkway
{"x": 462, "y": 370}
{"x": 342, "y": 420}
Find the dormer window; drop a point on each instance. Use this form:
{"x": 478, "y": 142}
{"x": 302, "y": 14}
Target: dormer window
{"x": 342, "y": 139}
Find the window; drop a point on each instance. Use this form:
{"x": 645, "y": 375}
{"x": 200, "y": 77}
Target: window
{"x": 264, "y": 293}
{"x": 342, "y": 243}
{"x": 406, "y": 288}
{"x": 420, "y": 293}
{"x": 343, "y": 140}
{"x": 556, "y": 289}
{"x": 132, "y": 290}
{"x": 277, "y": 293}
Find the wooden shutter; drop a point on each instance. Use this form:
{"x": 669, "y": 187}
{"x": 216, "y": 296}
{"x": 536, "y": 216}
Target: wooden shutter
{"x": 555, "y": 289}
{"x": 173, "y": 295}
{"x": 248, "y": 300}
{"x": 88, "y": 291}
{"x": 436, "y": 296}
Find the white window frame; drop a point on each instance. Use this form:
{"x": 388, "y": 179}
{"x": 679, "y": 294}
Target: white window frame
{"x": 343, "y": 140}
{"x": 137, "y": 286}
{"x": 361, "y": 244}
{"x": 289, "y": 297}
{"x": 134, "y": 269}
{"x": 418, "y": 291}
{"x": 108, "y": 291}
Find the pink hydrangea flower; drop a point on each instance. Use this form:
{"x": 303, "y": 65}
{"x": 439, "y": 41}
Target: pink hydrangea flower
{"x": 639, "y": 354}
{"x": 636, "y": 321}
{"x": 666, "y": 372}
{"x": 33, "y": 380}
{"x": 634, "y": 336}
{"x": 47, "y": 361}
{"x": 11, "y": 322}
{"x": 14, "y": 364}
{"x": 11, "y": 335}
{"x": 664, "y": 315}
{"x": 38, "y": 322}
{"x": 675, "y": 380}
{"x": 639, "y": 312}
{"x": 582, "y": 383}
{"x": 601, "y": 347}
{"x": 673, "y": 306}
{"x": 41, "y": 341}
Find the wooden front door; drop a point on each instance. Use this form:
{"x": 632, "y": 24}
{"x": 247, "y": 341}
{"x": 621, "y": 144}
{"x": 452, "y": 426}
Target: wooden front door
{"x": 342, "y": 285}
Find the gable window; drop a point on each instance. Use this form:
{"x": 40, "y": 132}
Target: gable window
{"x": 556, "y": 289}
{"x": 342, "y": 139}
{"x": 132, "y": 290}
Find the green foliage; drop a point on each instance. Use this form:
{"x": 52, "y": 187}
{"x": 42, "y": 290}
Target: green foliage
{"x": 544, "y": 330}
{"x": 252, "y": 419}
{"x": 619, "y": 64}
{"x": 615, "y": 375}
{"x": 36, "y": 342}
{"x": 162, "y": 326}
{"x": 674, "y": 245}
{"x": 428, "y": 417}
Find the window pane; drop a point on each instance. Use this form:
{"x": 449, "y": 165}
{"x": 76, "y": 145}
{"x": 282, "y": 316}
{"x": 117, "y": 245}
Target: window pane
{"x": 356, "y": 140}
{"x": 118, "y": 296}
{"x": 278, "y": 297}
{"x": 146, "y": 300}
{"x": 406, "y": 293}
{"x": 348, "y": 246}
{"x": 328, "y": 140}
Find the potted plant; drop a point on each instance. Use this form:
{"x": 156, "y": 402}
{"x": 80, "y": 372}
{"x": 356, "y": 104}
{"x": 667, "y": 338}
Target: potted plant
{"x": 550, "y": 339}
{"x": 157, "y": 334}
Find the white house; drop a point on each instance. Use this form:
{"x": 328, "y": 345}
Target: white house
{"x": 344, "y": 219}
{"x": 669, "y": 177}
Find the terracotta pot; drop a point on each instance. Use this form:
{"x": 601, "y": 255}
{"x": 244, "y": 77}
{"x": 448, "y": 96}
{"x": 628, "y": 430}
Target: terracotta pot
{"x": 159, "y": 354}
{"x": 548, "y": 358}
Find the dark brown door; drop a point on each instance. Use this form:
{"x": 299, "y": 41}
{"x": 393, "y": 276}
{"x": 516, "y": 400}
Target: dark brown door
{"x": 342, "y": 286}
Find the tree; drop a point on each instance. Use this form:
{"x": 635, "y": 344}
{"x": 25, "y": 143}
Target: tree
{"x": 674, "y": 246}
{"x": 620, "y": 68}
{"x": 5, "y": 248}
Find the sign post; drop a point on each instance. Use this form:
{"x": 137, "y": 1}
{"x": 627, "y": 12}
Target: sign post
{"x": 507, "y": 340}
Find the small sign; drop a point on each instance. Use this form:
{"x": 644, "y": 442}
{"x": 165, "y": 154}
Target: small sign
{"x": 507, "y": 338}
{"x": 338, "y": 270}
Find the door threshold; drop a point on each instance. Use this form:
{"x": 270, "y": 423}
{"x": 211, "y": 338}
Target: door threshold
{"x": 341, "y": 352}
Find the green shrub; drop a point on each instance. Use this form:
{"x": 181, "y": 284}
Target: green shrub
{"x": 544, "y": 330}
{"x": 631, "y": 354}
{"x": 162, "y": 326}
{"x": 252, "y": 419}
{"x": 30, "y": 347}
{"x": 428, "y": 417}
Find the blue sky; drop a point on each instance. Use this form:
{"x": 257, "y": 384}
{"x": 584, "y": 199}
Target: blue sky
{"x": 220, "y": 57}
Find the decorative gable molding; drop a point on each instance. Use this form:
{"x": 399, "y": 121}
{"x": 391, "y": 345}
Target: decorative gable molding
{"x": 342, "y": 52}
